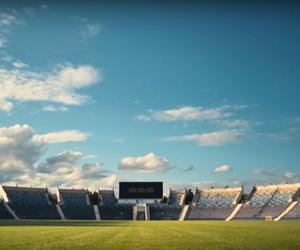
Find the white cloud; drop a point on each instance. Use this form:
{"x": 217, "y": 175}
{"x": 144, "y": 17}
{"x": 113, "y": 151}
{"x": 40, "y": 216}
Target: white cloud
{"x": 7, "y": 22}
{"x": 288, "y": 135}
{"x": 266, "y": 172}
{"x": 292, "y": 176}
{"x": 222, "y": 169}
{"x": 235, "y": 123}
{"x": 276, "y": 175}
{"x": 187, "y": 113}
{"x": 63, "y": 161}
{"x": 63, "y": 136}
{"x": 225, "y": 127}
{"x": 59, "y": 86}
{"x": 21, "y": 150}
{"x": 216, "y": 138}
{"x": 19, "y": 64}
{"x": 143, "y": 118}
{"x": 296, "y": 120}
{"x": 118, "y": 140}
{"x": 53, "y": 108}
{"x": 88, "y": 30}
{"x": 146, "y": 164}
{"x": 68, "y": 170}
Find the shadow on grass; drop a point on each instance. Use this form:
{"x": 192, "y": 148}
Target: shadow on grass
{"x": 56, "y": 223}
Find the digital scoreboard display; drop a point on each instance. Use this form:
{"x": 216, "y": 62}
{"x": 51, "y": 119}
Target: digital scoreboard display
{"x": 140, "y": 190}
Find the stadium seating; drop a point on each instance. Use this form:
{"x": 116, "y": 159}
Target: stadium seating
{"x": 214, "y": 203}
{"x": 31, "y": 203}
{"x": 76, "y": 204}
{"x": 164, "y": 212}
{"x": 294, "y": 213}
{"x": 107, "y": 197}
{"x": 176, "y": 198}
{"x": 259, "y": 198}
{"x": 267, "y": 201}
{"x": 111, "y": 210}
{"x": 4, "y": 214}
{"x": 273, "y": 201}
{"x": 279, "y": 201}
{"x": 116, "y": 212}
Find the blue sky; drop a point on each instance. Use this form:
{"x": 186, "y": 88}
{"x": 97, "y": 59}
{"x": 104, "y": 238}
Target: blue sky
{"x": 190, "y": 94}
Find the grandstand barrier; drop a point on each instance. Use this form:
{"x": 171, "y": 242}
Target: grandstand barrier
{"x": 234, "y": 212}
{"x": 183, "y": 213}
{"x": 286, "y": 211}
{"x": 96, "y": 211}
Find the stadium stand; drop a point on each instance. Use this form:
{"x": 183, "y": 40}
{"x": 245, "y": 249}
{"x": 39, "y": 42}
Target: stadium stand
{"x": 107, "y": 197}
{"x": 76, "y": 204}
{"x": 170, "y": 211}
{"x": 116, "y": 212}
{"x": 261, "y": 202}
{"x": 214, "y": 203}
{"x": 4, "y": 214}
{"x": 267, "y": 201}
{"x": 111, "y": 210}
{"x": 279, "y": 202}
{"x": 164, "y": 212}
{"x": 31, "y": 203}
{"x": 294, "y": 213}
{"x": 176, "y": 198}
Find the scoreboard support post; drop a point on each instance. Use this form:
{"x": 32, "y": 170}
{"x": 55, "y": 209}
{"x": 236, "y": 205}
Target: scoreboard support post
{"x": 141, "y": 191}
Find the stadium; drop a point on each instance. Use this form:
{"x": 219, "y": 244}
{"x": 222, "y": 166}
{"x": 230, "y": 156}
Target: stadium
{"x": 149, "y": 125}
{"x": 27, "y": 209}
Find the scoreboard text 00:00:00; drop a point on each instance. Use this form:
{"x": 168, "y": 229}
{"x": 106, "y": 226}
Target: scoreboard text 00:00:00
{"x": 141, "y": 190}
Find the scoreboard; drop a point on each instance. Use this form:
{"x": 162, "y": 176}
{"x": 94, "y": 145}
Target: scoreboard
{"x": 140, "y": 190}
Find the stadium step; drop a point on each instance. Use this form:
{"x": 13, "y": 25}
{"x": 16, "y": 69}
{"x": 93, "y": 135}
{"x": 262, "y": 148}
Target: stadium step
{"x": 12, "y": 212}
{"x": 61, "y": 213}
{"x": 286, "y": 211}
{"x": 96, "y": 211}
{"x": 147, "y": 213}
{"x": 234, "y": 212}
{"x": 183, "y": 213}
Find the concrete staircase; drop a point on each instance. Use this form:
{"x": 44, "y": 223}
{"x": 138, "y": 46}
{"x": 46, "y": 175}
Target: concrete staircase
{"x": 61, "y": 213}
{"x": 286, "y": 211}
{"x": 234, "y": 212}
{"x": 147, "y": 212}
{"x": 97, "y": 213}
{"x": 12, "y": 212}
{"x": 183, "y": 213}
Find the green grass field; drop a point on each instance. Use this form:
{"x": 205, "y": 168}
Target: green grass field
{"x": 150, "y": 235}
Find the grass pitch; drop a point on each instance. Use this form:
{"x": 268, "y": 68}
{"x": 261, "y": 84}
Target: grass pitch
{"x": 150, "y": 235}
